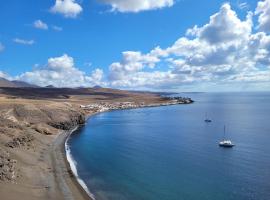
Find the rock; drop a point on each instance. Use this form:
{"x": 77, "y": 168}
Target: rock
{"x": 23, "y": 140}
{"x": 71, "y": 122}
{"x": 7, "y": 123}
{"x": 7, "y": 166}
{"x": 43, "y": 129}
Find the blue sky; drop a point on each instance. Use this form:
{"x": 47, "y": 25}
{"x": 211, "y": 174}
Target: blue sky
{"x": 45, "y": 43}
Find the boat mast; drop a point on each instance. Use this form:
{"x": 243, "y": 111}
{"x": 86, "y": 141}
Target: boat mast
{"x": 224, "y": 132}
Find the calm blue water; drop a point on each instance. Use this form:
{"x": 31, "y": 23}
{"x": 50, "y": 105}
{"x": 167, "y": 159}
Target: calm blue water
{"x": 169, "y": 153}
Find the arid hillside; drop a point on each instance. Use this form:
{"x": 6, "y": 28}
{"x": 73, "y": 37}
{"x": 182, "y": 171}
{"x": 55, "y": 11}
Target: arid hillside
{"x": 6, "y": 83}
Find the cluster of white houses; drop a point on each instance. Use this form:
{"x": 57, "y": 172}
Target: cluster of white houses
{"x": 104, "y": 106}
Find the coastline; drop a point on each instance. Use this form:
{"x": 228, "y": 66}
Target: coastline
{"x": 34, "y": 132}
{"x": 74, "y": 188}
{"x": 71, "y": 164}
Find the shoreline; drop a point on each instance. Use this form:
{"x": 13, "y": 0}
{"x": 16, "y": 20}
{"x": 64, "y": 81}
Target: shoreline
{"x": 35, "y": 125}
{"x": 71, "y": 164}
{"x": 73, "y": 186}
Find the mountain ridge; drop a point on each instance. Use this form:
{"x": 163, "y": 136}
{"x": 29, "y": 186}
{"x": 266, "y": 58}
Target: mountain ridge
{"x": 15, "y": 84}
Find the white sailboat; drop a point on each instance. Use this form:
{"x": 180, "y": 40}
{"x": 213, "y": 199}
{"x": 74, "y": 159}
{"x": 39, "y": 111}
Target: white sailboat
{"x": 224, "y": 142}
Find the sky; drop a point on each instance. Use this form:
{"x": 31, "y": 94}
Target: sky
{"x": 159, "y": 45}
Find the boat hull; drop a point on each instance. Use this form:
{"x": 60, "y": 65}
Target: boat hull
{"x": 226, "y": 145}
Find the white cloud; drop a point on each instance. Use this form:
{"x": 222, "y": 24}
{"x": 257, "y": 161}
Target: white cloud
{"x": 64, "y": 62}
{"x": 67, "y": 8}
{"x": 96, "y": 76}
{"x": 2, "y": 47}
{"x": 61, "y": 72}
{"x": 23, "y": 42}
{"x": 259, "y": 45}
{"x": 57, "y": 28}
{"x": 132, "y": 62}
{"x": 223, "y": 51}
{"x": 4, "y": 75}
{"x": 253, "y": 77}
{"x": 142, "y": 80}
{"x": 263, "y": 10}
{"x": 224, "y": 26}
{"x": 40, "y": 25}
{"x": 137, "y": 5}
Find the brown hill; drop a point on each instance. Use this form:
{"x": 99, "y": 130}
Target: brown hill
{"x": 6, "y": 83}
{"x": 15, "y": 84}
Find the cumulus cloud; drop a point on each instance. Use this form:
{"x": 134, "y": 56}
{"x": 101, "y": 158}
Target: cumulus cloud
{"x": 40, "y": 25}
{"x": 132, "y": 62}
{"x": 67, "y": 8}
{"x": 225, "y": 50}
{"x": 61, "y": 72}
{"x": 23, "y": 41}
{"x": 263, "y": 10}
{"x": 224, "y": 26}
{"x": 137, "y": 5}
{"x": 96, "y": 77}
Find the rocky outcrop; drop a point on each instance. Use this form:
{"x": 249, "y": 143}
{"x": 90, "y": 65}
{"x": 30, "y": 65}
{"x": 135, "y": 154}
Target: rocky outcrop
{"x": 7, "y": 166}
{"x": 24, "y": 140}
{"x": 180, "y": 100}
{"x": 43, "y": 129}
{"x": 74, "y": 120}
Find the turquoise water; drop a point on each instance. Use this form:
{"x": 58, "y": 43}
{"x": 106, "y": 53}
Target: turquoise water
{"x": 170, "y": 153}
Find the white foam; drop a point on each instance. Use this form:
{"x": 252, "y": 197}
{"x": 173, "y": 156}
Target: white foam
{"x": 73, "y": 167}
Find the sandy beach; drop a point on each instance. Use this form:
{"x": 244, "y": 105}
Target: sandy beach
{"x": 69, "y": 185}
{"x": 46, "y": 174}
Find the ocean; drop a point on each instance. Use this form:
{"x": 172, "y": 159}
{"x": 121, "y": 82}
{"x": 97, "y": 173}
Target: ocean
{"x": 170, "y": 153}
